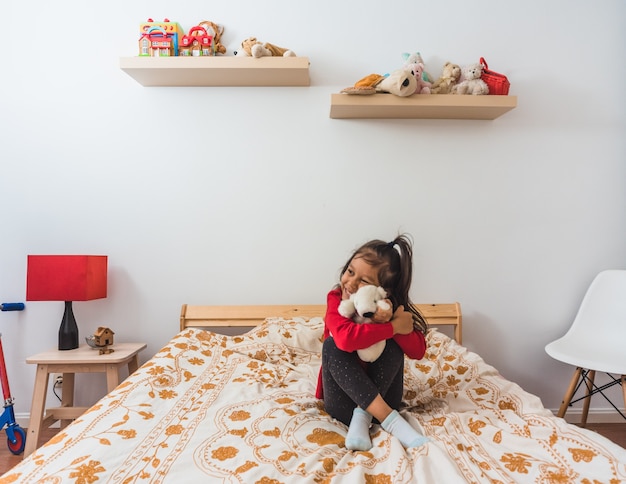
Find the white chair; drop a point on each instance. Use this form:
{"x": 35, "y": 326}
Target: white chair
{"x": 596, "y": 341}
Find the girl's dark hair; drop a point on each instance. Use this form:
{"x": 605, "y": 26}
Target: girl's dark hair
{"x": 394, "y": 261}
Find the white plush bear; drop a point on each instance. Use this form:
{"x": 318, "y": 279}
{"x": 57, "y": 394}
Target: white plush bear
{"x": 361, "y": 308}
{"x": 472, "y": 82}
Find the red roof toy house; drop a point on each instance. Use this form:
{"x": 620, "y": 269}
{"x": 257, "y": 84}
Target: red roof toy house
{"x": 156, "y": 43}
{"x": 196, "y": 43}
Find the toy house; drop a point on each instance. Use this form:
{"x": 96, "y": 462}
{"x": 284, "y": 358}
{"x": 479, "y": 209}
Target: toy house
{"x": 103, "y": 336}
{"x": 101, "y": 340}
{"x": 156, "y": 43}
{"x": 171, "y": 30}
{"x": 196, "y": 43}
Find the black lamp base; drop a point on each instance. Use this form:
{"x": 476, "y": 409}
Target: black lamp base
{"x": 68, "y": 332}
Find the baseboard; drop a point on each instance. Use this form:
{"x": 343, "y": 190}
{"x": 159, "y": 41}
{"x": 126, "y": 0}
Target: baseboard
{"x": 23, "y": 419}
{"x": 599, "y": 415}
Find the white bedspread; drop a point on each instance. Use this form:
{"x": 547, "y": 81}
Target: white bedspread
{"x": 241, "y": 409}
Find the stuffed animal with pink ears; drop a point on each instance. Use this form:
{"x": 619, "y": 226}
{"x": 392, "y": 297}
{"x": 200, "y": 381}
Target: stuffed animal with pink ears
{"x": 416, "y": 58}
{"x": 423, "y": 87}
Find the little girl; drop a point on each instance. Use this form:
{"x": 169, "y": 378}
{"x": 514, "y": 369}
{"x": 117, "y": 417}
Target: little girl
{"x": 354, "y": 391}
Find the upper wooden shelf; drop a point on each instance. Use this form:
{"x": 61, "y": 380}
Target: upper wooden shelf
{"x": 217, "y": 71}
{"x": 431, "y": 106}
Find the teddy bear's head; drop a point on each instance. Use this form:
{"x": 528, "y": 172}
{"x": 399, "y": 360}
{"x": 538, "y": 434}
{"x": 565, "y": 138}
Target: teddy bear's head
{"x": 451, "y": 71}
{"x": 366, "y": 300}
{"x": 472, "y": 71}
{"x": 412, "y": 58}
{"x": 246, "y": 46}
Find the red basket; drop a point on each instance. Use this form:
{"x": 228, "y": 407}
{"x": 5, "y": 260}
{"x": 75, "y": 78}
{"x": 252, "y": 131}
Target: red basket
{"x": 498, "y": 83}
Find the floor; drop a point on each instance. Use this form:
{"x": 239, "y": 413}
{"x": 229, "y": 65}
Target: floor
{"x": 612, "y": 431}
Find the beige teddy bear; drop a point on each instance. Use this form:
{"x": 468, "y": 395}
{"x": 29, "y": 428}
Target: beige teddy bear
{"x": 253, "y": 48}
{"x": 449, "y": 78}
{"x": 472, "y": 82}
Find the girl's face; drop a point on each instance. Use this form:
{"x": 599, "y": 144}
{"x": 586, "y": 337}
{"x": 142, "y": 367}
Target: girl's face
{"x": 359, "y": 273}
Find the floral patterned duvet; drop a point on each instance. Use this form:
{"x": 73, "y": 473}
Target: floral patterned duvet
{"x": 241, "y": 409}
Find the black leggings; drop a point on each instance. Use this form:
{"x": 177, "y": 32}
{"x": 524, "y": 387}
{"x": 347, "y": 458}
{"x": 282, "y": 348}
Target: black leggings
{"x": 348, "y": 384}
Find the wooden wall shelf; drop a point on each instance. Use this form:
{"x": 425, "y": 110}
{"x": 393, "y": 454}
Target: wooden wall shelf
{"x": 431, "y": 106}
{"x": 217, "y": 71}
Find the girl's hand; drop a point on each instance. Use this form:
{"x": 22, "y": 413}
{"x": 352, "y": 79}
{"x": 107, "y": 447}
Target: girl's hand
{"x": 402, "y": 321}
{"x": 383, "y": 315}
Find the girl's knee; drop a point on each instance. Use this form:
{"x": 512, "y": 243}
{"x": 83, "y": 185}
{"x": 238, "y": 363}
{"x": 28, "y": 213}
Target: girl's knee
{"x": 329, "y": 343}
{"x": 328, "y": 348}
{"x": 394, "y": 347}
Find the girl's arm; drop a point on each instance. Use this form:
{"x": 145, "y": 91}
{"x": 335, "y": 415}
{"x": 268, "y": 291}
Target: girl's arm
{"x": 413, "y": 344}
{"x": 411, "y": 340}
{"x": 348, "y": 335}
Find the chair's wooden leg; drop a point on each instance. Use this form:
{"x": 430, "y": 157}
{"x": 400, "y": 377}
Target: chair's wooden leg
{"x": 624, "y": 388}
{"x": 591, "y": 374}
{"x": 570, "y": 392}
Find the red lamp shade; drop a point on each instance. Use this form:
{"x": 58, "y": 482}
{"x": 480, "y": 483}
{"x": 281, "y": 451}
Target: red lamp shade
{"x": 66, "y": 277}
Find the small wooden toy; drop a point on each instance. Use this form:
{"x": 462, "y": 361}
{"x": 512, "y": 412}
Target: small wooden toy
{"x": 101, "y": 340}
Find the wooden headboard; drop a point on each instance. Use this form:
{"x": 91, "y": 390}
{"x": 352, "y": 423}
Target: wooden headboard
{"x": 437, "y": 315}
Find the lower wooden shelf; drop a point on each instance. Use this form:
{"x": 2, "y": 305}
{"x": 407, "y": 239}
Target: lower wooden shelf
{"x": 217, "y": 71}
{"x": 425, "y": 106}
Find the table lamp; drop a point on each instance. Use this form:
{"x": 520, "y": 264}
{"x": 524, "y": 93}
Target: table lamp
{"x": 66, "y": 278}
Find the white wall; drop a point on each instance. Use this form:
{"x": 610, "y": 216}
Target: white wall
{"x": 254, "y": 195}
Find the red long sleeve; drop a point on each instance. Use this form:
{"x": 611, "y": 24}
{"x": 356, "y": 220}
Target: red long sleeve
{"x": 348, "y": 335}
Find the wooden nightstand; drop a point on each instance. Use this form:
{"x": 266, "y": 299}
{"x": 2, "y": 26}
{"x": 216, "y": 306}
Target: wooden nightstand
{"x": 81, "y": 360}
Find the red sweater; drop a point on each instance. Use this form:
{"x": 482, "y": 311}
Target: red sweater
{"x": 350, "y": 336}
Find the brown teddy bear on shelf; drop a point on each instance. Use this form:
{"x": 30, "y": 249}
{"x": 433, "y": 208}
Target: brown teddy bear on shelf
{"x": 216, "y": 32}
{"x": 253, "y": 48}
{"x": 449, "y": 78}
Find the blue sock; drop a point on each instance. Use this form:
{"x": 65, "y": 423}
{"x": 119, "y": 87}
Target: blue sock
{"x": 402, "y": 430}
{"x": 358, "y": 437}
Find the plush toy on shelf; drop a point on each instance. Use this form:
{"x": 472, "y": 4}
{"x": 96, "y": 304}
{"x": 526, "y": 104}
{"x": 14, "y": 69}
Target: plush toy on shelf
{"x": 422, "y": 87}
{"x": 253, "y": 48}
{"x": 361, "y": 308}
{"x": 449, "y": 78}
{"x": 416, "y": 58}
{"x": 400, "y": 82}
{"x": 471, "y": 81}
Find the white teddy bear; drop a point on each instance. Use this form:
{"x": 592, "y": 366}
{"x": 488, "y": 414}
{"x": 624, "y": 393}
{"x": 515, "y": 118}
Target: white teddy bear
{"x": 361, "y": 308}
{"x": 472, "y": 82}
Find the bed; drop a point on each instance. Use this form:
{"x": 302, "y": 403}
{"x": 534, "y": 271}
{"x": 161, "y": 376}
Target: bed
{"x": 240, "y": 408}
